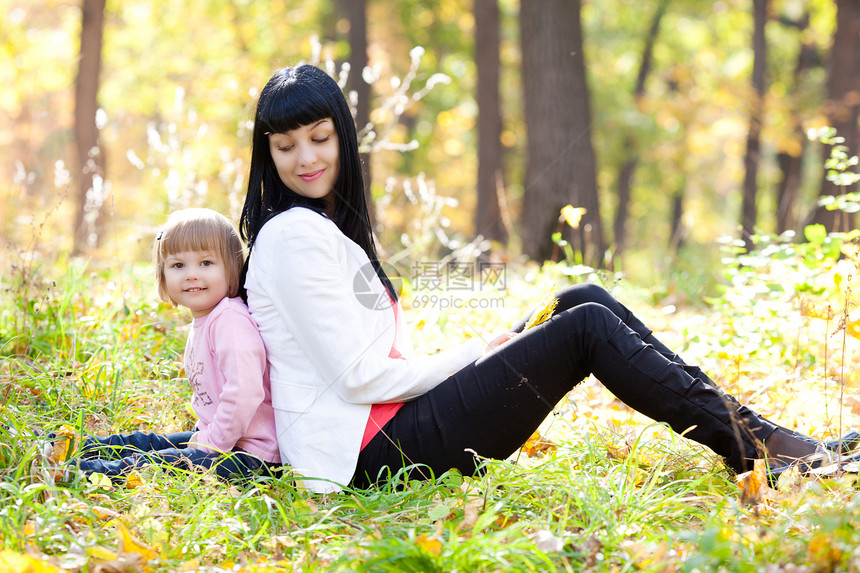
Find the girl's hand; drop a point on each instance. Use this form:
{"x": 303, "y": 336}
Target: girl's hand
{"x": 499, "y": 340}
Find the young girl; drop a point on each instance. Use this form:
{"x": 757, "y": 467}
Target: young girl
{"x": 351, "y": 399}
{"x": 198, "y": 259}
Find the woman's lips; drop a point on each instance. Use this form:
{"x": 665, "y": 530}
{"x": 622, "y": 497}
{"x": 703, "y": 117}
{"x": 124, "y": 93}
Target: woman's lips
{"x": 312, "y": 176}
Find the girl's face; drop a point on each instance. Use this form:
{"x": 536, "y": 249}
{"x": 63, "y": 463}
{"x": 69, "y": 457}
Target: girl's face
{"x": 308, "y": 159}
{"x": 196, "y": 280}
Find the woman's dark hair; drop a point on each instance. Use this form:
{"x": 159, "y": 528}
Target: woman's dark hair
{"x": 292, "y": 98}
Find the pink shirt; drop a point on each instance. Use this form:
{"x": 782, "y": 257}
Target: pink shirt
{"x": 225, "y": 362}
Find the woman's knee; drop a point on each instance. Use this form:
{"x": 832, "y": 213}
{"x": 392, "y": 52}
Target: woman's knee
{"x": 576, "y": 295}
{"x": 591, "y": 318}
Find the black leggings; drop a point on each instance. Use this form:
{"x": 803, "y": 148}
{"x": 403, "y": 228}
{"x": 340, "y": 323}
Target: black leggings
{"x": 493, "y": 405}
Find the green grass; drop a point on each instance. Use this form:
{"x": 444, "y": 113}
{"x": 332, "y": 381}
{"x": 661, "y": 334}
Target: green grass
{"x": 97, "y": 352}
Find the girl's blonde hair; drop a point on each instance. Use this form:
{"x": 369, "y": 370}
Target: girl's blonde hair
{"x": 197, "y": 230}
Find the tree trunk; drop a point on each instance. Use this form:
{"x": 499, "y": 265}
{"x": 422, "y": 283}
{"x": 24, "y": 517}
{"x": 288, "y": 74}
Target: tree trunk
{"x": 678, "y": 235}
{"x": 90, "y": 173}
{"x": 791, "y": 163}
{"x": 488, "y": 216}
{"x": 356, "y": 12}
{"x": 625, "y": 174}
{"x": 749, "y": 211}
{"x": 560, "y": 162}
{"x": 843, "y": 99}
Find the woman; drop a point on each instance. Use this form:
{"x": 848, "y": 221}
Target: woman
{"x": 352, "y": 399}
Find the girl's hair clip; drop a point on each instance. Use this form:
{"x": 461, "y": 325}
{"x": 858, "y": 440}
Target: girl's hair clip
{"x": 159, "y": 235}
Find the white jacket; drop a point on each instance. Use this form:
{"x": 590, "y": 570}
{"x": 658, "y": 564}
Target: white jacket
{"x": 328, "y": 328}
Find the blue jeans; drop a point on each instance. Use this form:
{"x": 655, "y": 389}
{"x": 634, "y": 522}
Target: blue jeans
{"x": 119, "y": 454}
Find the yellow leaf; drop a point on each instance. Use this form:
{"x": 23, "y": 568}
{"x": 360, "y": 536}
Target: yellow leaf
{"x": 537, "y": 446}
{"x": 133, "y": 481}
{"x": 815, "y": 309}
{"x": 544, "y": 310}
{"x": 429, "y": 544}
{"x": 852, "y": 249}
{"x": 823, "y": 552}
{"x": 129, "y": 544}
{"x": 753, "y": 483}
{"x": 573, "y": 215}
{"x": 503, "y": 521}
{"x": 104, "y": 513}
{"x": 14, "y": 562}
{"x": 102, "y": 553}
{"x": 64, "y": 445}
{"x": 853, "y": 328}
{"x": 100, "y": 481}
{"x": 190, "y": 565}
{"x": 618, "y": 452}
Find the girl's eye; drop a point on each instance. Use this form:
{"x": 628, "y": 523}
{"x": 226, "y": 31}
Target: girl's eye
{"x": 207, "y": 263}
{"x": 176, "y": 266}
{"x": 285, "y": 148}
{"x": 323, "y": 139}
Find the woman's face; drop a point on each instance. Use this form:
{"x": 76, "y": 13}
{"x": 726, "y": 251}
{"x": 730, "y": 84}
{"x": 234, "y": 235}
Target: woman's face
{"x": 308, "y": 159}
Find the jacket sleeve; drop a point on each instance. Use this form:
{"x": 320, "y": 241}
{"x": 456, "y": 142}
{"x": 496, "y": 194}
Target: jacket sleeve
{"x": 240, "y": 357}
{"x": 306, "y": 281}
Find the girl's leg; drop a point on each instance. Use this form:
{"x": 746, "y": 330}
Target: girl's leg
{"x": 493, "y": 405}
{"x": 118, "y": 446}
{"x": 233, "y": 465}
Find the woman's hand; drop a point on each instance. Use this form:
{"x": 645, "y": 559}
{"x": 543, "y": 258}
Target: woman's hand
{"x": 498, "y": 340}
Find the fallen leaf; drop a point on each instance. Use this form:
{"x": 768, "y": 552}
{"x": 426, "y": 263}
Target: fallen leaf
{"x": 129, "y": 544}
{"x": 591, "y": 548}
{"x": 470, "y": 513}
{"x": 547, "y": 542}
{"x": 438, "y": 512}
{"x": 63, "y": 445}
{"x": 14, "y": 562}
{"x": 753, "y": 484}
{"x": 429, "y": 544}
{"x": 102, "y": 553}
{"x": 504, "y": 521}
{"x": 537, "y": 446}
{"x": 823, "y": 552}
{"x": 133, "y": 481}
{"x": 100, "y": 481}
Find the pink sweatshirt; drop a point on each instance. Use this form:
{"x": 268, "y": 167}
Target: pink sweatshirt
{"x": 225, "y": 361}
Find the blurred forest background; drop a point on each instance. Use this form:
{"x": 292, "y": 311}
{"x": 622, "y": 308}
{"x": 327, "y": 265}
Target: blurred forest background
{"x": 671, "y": 122}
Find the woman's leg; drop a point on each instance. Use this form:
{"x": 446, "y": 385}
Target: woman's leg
{"x": 493, "y": 405}
{"x": 784, "y": 442}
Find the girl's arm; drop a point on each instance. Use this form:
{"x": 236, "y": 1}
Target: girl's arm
{"x": 309, "y": 285}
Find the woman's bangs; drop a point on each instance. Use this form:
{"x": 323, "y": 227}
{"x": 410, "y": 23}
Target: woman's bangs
{"x": 291, "y": 108}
